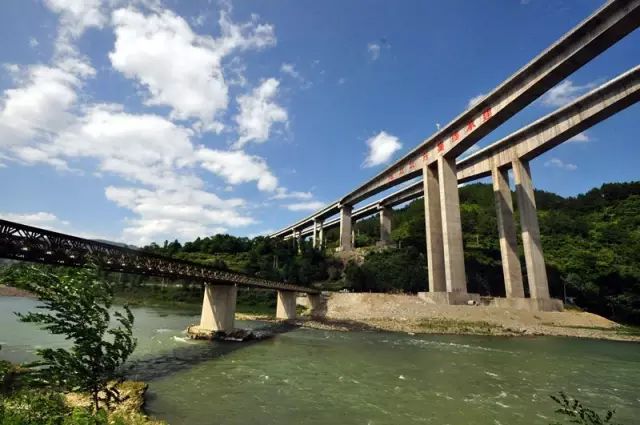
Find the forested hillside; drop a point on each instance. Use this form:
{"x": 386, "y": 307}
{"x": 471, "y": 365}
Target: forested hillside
{"x": 591, "y": 244}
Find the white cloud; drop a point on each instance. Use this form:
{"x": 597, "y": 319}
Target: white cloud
{"x": 475, "y": 100}
{"x": 170, "y": 214}
{"x": 78, "y": 15}
{"x": 558, "y": 163}
{"x": 305, "y": 206}
{"x": 290, "y": 69}
{"x": 373, "y": 49}
{"x": 181, "y": 69}
{"x": 238, "y": 167}
{"x": 580, "y": 138}
{"x": 44, "y": 220}
{"x": 40, "y": 105}
{"x": 282, "y": 193}
{"x": 258, "y": 112}
{"x": 381, "y": 148}
{"x": 565, "y": 92}
{"x": 33, "y": 42}
{"x": 341, "y": 81}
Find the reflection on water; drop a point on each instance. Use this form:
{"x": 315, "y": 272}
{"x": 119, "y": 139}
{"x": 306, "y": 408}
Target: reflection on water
{"x": 321, "y": 377}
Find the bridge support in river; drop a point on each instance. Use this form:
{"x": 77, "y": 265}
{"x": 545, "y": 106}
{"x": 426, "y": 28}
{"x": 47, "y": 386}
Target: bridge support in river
{"x": 219, "y": 307}
{"x": 286, "y": 305}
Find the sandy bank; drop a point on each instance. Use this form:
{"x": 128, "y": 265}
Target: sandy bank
{"x": 406, "y": 313}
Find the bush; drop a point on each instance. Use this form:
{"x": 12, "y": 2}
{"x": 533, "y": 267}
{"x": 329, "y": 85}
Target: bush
{"x": 34, "y": 407}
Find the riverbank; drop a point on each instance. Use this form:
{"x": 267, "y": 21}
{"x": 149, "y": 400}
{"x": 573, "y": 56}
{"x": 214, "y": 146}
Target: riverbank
{"x": 410, "y": 314}
{"x": 406, "y": 313}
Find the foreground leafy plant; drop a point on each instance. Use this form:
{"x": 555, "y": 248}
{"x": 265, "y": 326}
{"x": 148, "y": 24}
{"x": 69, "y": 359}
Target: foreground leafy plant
{"x": 576, "y": 413}
{"x": 76, "y": 304}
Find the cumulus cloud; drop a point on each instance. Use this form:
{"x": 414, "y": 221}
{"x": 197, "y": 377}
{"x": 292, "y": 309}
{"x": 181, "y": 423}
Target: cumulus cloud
{"x": 565, "y": 93}
{"x": 558, "y": 163}
{"x": 47, "y": 118}
{"x": 182, "y": 214}
{"x": 305, "y": 206}
{"x": 238, "y": 167}
{"x": 258, "y": 113}
{"x": 42, "y": 102}
{"x": 179, "y": 68}
{"x": 381, "y": 149}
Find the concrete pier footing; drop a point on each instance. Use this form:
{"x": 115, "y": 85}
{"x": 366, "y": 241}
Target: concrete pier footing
{"x": 286, "y": 307}
{"x": 218, "y": 308}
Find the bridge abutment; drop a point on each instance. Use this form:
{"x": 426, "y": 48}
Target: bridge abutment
{"x": 218, "y": 308}
{"x": 286, "y": 306}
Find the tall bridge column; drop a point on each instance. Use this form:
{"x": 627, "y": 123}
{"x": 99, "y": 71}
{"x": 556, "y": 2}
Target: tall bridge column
{"x": 534, "y": 258}
{"x": 385, "y": 225}
{"x": 455, "y": 276}
{"x": 299, "y": 240}
{"x": 218, "y": 308}
{"x": 507, "y": 231}
{"x": 321, "y": 235}
{"x": 345, "y": 228}
{"x": 286, "y": 307}
{"x": 314, "y": 235}
{"x": 433, "y": 226}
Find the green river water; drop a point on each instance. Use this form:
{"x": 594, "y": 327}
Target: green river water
{"x": 321, "y": 377}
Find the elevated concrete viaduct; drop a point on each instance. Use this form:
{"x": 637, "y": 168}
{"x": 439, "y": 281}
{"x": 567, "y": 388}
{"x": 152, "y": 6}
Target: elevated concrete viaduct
{"x": 513, "y": 152}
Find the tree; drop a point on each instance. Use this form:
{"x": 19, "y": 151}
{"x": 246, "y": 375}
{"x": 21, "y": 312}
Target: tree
{"x": 76, "y": 304}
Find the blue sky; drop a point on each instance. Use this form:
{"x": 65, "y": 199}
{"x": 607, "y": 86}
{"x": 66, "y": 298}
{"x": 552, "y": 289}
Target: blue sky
{"x": 147, "y": 120}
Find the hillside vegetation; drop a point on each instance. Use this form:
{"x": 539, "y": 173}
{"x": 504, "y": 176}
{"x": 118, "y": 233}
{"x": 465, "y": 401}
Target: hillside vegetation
{"x": 591, "y": 244}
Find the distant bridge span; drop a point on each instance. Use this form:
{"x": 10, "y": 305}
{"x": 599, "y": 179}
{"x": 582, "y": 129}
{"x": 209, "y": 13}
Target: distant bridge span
{"x": 28, "y": 243}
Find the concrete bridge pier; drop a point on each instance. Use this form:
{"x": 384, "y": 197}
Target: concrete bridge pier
{"x": 286, "y": 306}
{"x": 534, "y": 258}
{"x": 511, "y": 268}
{"x": 454, "y": 272}
{"x": 433, "y": 226}
{"x": 385, "y": 226}
{"x": 316, "y": 237}
{"x": 218, "y": 308}
{"x": 346, "y": 228}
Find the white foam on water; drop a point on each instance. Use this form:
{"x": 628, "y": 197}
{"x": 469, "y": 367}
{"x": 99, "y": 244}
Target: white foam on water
{"x": 495, "y": 375}
{"x": 163, "y": 330}
{"x": 402, "y": 377}
{"x": 182, "y": 339}
{"x": 503, "y": 405}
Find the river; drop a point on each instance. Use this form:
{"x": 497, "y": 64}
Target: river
{"x": 323, "y": 377}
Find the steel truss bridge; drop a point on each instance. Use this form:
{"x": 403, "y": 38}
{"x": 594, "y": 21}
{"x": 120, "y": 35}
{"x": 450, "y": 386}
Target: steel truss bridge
{"x": 27, "y": 243}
